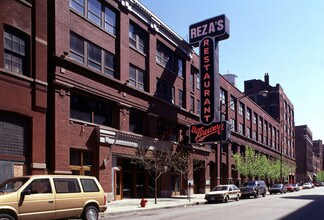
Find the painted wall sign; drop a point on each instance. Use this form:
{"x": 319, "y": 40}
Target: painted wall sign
{"x": 207, "y": 81}
{"x": 202, "y": 134}
{"x": 217, "y": 27}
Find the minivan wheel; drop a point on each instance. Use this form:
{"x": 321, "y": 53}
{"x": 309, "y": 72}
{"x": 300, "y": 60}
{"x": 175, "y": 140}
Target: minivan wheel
{"x": 90, "y": 213}
{"x": 6, "y": 217}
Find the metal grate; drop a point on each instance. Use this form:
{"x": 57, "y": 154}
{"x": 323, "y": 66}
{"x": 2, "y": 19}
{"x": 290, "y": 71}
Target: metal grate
{"x": 14, "y": 134}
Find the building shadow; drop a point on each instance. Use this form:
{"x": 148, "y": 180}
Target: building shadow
{"x": 313, "y": 210}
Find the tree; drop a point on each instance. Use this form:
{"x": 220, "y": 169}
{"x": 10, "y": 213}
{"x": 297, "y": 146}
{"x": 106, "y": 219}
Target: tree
{"x": 253, "y": 164}
{"x": 184, "y": 163}
{"x": 320, "y": 176}
{"x": 155, "y": 160}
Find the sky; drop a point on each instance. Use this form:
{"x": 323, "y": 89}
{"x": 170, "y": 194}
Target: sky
{"x": 284, "y": 38}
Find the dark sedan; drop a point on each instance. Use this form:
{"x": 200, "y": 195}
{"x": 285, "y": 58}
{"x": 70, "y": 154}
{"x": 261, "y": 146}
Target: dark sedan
{"x": 277, "y": 188}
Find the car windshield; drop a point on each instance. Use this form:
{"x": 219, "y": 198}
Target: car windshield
{"x": 12, "y": 185}
{"x": 220, "y": 188}
{"x": 249, "y": 184}
{"x": 276, "y": 186}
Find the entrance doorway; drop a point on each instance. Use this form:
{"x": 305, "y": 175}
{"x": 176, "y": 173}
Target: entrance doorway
{"x": 118, "y": 185}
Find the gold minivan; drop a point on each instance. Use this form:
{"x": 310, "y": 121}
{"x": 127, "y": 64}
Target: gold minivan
{"x": 51, "y": 197}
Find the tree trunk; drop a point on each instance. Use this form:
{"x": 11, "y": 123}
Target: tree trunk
{"x": 155, "y": 188}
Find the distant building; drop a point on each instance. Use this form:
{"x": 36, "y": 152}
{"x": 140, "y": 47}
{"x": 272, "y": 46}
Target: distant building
{"x": 318, "y": 149}
{"x": 304, "y": 153}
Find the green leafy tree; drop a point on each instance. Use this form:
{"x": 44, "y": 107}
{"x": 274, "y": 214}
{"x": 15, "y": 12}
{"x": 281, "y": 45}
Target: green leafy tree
{"x": 320, "y": 176}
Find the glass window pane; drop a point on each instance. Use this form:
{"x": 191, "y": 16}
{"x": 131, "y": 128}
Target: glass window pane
{"x": 77, "y": 5}
{"x": 94, "y": 11}
{"x": 110, "y": 21}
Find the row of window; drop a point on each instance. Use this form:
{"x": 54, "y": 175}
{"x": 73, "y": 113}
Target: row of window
{"x": 101, "y": 112}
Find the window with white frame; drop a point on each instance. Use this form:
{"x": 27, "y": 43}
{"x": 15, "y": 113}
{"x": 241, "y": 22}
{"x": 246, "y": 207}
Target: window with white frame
{"x": 15, "y": 51}
{"x": 223, "y": 96}
{"x": 233, "y": 103}
{"x": 241, "y": 108}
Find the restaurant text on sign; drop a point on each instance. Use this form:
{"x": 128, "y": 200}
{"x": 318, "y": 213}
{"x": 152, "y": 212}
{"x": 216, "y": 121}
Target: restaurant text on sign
{"x": 207, "y": 80}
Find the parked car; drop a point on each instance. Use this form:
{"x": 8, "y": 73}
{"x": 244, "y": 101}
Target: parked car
{"x": 277, "y": 188}
{"x": 290, "y": 188}
{"x": 223, "y": 193}
{"x": 307, "y": 186}
{"x": 296, "y": 187}
{"x": 253, "y": 188}
{"x": 51, "y": 197}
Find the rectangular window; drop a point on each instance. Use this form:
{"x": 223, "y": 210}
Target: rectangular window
{"x": 241, "y": 129}
{"x": 166, "y": 58}
{"x": 137, "y": 38}
{"x": 136, "y": 121}
{"x": 241, "y": 108}
{"x": 66, "y": 185}
{"x": 248, "y": 114}
{"x": 92, "y": 111}
{"x": 94, "y": 11}
{"x": 15, "y": 52}
{"x": 180, "y": 68}
{"x": 233, "y": 103}
{"x": 110, "y": 64}
{"x": 77, "y": 5}
{"x": 110, "y": 21}
{"x": 192, "y": 84}
{"x": 180, "y": 98}
{"x": 223, "y": 96}
{"x": 77, "y": 47}
{"x": 165, "y": 91}
{"x": 198, "y": 81}
{"x": 198, "y": 106}
{"x": 94, "y": 56}
{"x": 192, "y": 104}
{"x": 248, "y": 132}
{"x": 89, "y": 185}
{"x": 233, "y": 127}
{"x": 255, "y": 116}
{"x": 136, "y": 77}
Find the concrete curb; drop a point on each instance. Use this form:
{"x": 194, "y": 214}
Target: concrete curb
{"x": 106, "y": 214}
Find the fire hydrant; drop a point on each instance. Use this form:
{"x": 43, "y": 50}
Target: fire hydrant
{"x": 143, "y": 202}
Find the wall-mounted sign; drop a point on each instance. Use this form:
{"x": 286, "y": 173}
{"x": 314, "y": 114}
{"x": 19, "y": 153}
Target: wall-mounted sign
{"x": 217, "y": 27}
{"x": 202, "y": 134}
{"x": 207, "y": 81}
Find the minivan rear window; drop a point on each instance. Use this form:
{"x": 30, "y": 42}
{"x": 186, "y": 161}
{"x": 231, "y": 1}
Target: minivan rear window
{"x": 89, "y": 185}
{"x": 66, "y": 185}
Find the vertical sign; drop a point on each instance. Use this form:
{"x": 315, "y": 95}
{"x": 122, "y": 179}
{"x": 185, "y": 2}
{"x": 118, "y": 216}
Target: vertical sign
{"x": 207, "y": 94}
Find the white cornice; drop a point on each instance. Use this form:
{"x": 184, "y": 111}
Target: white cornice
{"x": 137, "y": 8}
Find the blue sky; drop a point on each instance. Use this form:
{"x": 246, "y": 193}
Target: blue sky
{"x": 284, "y": 38}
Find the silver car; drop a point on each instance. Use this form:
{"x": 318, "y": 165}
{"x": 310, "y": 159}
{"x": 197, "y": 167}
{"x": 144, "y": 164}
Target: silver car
{"x": 223, "y": 193}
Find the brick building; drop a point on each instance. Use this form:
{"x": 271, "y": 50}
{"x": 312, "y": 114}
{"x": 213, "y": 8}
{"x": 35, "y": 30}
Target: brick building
{"x": 318, "y": 151}
{"x": 23, "y": 87}
{"x": 304, "y": 153}
{"x": 119, "y": 78}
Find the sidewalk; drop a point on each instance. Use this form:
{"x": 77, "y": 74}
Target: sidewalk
{"x": 133, "y": 205}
